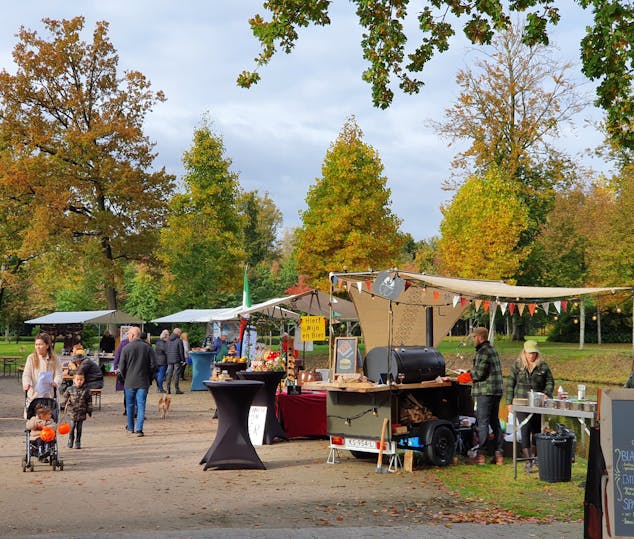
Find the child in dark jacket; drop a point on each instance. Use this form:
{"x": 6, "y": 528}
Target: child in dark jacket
{"x": 78, "y": 402}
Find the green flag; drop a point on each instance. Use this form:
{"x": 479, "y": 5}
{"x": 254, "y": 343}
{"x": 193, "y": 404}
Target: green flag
{"x": 246, "y": 297}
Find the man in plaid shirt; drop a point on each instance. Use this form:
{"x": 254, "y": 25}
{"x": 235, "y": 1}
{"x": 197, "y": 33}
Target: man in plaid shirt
{"x": 488, "y": 387}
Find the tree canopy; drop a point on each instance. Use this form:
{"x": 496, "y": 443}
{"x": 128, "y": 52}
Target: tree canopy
{"x": 348, "y": 223}
{"x": 75, "y": 165}
{"x": 607, "y": 50}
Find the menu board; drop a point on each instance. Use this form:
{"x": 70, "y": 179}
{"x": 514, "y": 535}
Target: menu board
{"x": 345, "y": 355}
{"x": 617, "y": 444}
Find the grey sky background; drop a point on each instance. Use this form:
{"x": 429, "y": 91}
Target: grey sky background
{"x": 278, "y": 132}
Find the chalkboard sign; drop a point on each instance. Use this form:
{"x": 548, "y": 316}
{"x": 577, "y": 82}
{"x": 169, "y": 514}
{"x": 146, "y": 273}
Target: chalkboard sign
{"x": 617, "y": 444}
{"x": 257, "y": 422}
{"x": 345, "y": 355}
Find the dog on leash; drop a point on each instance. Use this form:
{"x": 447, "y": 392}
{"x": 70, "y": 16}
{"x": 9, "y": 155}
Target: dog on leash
{"x": 164, "y": 405}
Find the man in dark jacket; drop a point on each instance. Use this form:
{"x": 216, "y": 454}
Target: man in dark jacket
{"x": 175, "y": 360}
{"x": 93, "y": 377}
{"x": 137, "y": 368}
{"x": 488, "y": 387}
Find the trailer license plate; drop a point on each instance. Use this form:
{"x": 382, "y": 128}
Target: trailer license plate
{"x": 360, "y": 443}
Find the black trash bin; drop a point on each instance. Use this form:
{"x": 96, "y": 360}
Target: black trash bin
{"x": 554, "y": 453}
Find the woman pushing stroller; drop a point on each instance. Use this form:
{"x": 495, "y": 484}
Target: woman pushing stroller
{"x": 43, "y": 370}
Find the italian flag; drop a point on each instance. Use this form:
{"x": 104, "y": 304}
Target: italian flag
{"x": 246, "y": 297}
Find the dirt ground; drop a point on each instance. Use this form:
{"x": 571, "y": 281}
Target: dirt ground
{"x": 121, "y": 483}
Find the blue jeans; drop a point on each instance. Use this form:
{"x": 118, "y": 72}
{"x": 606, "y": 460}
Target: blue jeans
{"x": 160, "y": 375}
{"x": 487, "y": 410}
{"x": 135, "y": 397}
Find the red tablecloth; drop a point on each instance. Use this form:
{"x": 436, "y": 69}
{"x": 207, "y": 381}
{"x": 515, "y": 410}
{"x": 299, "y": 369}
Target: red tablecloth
{"x": 302, "y": 415}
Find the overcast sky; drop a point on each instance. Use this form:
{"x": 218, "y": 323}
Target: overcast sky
{"x": 278, "y": 132}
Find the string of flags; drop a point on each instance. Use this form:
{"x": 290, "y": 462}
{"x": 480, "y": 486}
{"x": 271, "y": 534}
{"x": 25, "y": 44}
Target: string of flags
{"x": 486, "y": 305}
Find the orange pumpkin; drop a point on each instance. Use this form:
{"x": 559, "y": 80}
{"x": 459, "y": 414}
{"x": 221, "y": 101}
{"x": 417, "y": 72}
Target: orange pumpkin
{"x": 47, "y": 434}
{"x": 64, "y": 428}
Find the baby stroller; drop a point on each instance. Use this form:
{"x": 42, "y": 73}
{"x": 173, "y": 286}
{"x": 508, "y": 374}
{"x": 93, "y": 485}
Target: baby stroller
{"x": 45, "y": 452}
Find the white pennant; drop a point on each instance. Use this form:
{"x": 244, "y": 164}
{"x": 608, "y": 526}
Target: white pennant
{"x": 557, "y": 305}
{"x": 359, "y": 286}
{"x": 477, "y": 303}
{"x": 520, "y": 308}
{"x": 546, "y": 306}
{"x": 456, "y": 299}
{"x": 503, "y": 306}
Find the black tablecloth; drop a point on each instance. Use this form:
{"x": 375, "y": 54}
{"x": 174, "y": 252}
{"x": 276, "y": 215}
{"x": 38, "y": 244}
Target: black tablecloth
{"x": 266, "y": 397}
{"x": 232, "y": 448}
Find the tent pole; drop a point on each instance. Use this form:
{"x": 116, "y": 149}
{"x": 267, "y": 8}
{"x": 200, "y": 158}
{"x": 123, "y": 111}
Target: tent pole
{"x": 582, "y": 323}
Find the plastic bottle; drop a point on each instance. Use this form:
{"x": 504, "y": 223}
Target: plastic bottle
{"x": 560, "y": 392}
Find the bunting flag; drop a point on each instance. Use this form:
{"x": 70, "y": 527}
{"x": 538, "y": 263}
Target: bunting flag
{"x": 436, "y": 295}
{"x": 463, "y": 301}
{"x": 503, "y": 306}
{"x": 557, "y": 305}
{"x": 478, "y": 302}
{"x": 531, "y": 308}
{"x": 564, "y": 304}
{"x": 512, "y": 308}
{"x": 359, "y": 286}
{"x": 546, "y": 307}
{"x": 520, "y": 308}
{"x": 486, "y": 305}
{"x": 456, "y": 299}
{"x": 407, "y": 284}
{"x": 368, "y": 285}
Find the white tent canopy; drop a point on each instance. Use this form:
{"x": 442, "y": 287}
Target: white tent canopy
{"x": 86, "y": 317}
{"x": 312, "y": 302}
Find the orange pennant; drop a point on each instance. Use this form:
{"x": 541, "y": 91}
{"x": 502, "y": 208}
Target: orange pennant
{"x": 436, "y": 295}
{"x": 485, "y": 306}
{"x": 531, "y": 308}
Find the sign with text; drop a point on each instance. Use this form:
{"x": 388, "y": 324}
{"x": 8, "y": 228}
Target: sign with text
{"x": 257, "y": 422}
{"x": 617, "y": 445}
{"x": 313, "y": 328}
{"x": 345, "y": 355}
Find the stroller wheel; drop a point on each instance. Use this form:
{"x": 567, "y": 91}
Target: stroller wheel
{"x": 32, "y": 467}
{"x": 24, "y": 464}
{"x": 54, "y": 464}
{"x": 60, "y": 464}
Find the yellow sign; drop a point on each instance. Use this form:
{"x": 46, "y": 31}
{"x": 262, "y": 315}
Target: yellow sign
{"x": 313, "y": 328}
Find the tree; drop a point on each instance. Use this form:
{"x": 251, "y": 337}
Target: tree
{"x": 262, "y": 221}
{"x": 348, "y": 223}
{"x": 142, "y": 292}
{"x": 481, "y": 228}
{"x": 201, "y": 247}
{"x": 75, "y": 164}
{"x": 510, "y": 107}
{"x": 607, "y": 49}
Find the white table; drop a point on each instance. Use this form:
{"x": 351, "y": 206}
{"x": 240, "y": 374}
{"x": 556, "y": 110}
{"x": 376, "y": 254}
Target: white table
{"x": 581, "y": 415}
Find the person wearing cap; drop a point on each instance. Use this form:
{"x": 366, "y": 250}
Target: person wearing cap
{"x": 487, "y": 389}
{"x": 93, "y": 377}
{"x": 528, "y": 372}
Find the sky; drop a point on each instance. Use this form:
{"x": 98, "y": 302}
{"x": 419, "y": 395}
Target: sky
{"x": 278, "y": 132}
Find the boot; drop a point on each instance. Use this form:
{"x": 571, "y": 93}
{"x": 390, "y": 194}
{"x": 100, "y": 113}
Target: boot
{"x": 70, "y": 442}
{"x": 528, "y": 465}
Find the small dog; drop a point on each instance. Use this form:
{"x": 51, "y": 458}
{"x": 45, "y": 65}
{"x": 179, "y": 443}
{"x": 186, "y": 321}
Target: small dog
{"x": 164, "y": 405}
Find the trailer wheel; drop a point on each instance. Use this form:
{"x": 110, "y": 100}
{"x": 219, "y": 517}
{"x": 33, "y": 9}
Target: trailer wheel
{"x": 442, "y": 448}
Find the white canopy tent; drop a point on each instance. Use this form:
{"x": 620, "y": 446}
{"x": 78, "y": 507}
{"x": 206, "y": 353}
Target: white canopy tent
{"x": 87, "y": 317}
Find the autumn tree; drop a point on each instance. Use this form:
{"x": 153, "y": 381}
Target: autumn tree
{"x": 348, "y": 223}
{"x": 393, "y": 56}
{"x": 201, "y": 247}
{"x": 262, "y": 219}
{"x": 481, "y": 228}
{"x": 75, "y": 165}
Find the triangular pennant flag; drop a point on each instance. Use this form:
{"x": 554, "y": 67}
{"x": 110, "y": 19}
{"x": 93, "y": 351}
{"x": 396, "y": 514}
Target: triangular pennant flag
{"x": 407, "y": 284}
{"x": 486, "y": 304}
{"x": 531, "y": 308}
{"x": 436, "y": 295}
{"x": 478, "y": 302}
{"x": 520, "y": 308}
{"x": 564, "y": 304}
{"x": 359, "y": 286}
{"x": 546, "y": 307}
{"x": 557, "y": 305}
{"x": 503, "y": 307}
{"x": 463, "y": 301}
{"x": 456, "y": 299}
{"x": 512, "y": 308}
